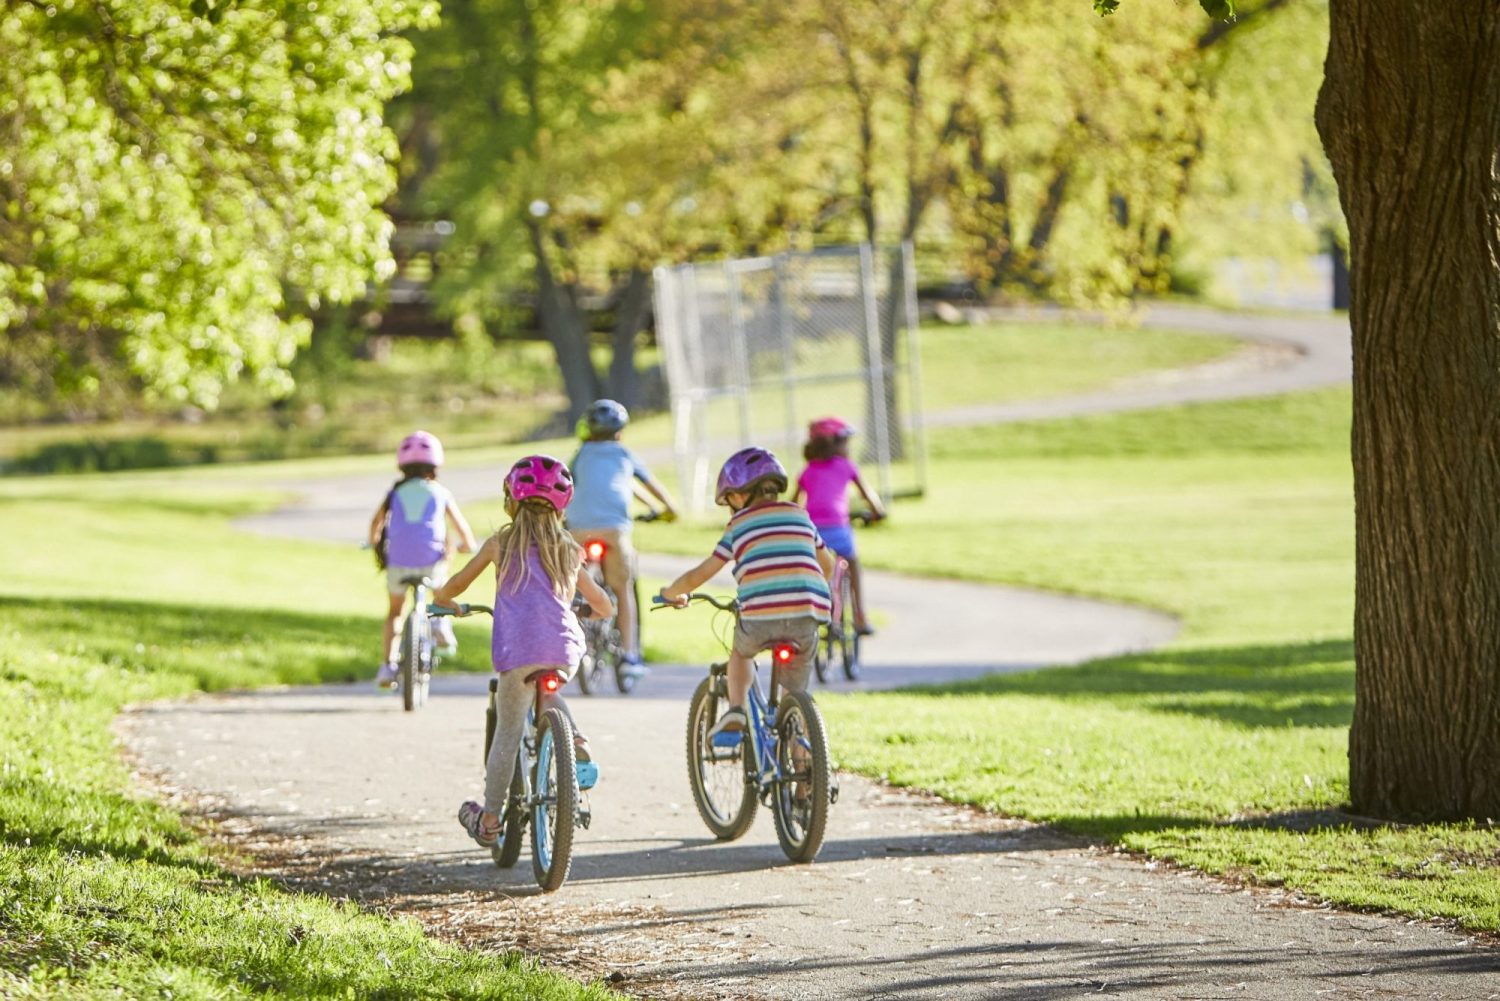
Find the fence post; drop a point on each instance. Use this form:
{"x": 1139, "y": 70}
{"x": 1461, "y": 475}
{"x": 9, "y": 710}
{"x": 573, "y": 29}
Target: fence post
{"x": 914, "y": 362}
{"x": 875, "y": 375}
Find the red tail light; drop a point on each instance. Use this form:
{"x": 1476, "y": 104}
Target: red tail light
{"x": 783, "y": 653}
{"x": 551, "y": 683}
{"x": 596, "y": 551}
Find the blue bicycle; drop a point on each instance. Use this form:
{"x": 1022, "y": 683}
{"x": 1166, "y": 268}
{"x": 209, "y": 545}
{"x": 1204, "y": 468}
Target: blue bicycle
{"x": 781, "y": 759}
{"x": 547, "y": 783}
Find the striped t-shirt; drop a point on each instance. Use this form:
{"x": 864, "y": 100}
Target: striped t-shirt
{"x": 775, "y": 552}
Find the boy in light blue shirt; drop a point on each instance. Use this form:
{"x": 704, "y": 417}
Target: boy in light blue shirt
{"x": 605, "y": 474}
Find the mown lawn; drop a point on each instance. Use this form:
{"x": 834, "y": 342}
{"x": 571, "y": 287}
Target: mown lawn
{"x": 479, "y": 395}
{"x": 1228, "y": 750}
{"x": 122, "y": 591}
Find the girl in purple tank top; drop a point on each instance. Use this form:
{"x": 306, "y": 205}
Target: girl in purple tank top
{"x": 538, "y": 569}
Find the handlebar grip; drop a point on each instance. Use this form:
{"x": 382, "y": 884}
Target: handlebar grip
{"x": 657, "y": 599}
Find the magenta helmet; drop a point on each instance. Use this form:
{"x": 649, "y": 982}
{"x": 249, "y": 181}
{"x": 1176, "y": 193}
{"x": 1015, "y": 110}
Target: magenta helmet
{"x": 540, "y": 476}
{"x": 830, "y": 427}
{"x": 745, "y": 468}
{"x": 419, "y": 447}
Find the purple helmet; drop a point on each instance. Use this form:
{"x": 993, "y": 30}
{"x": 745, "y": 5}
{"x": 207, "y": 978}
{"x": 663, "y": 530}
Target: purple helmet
{"x": 419, "y": 447}
{"x": 540, "y": 476}
{"x": 745, "y": 468}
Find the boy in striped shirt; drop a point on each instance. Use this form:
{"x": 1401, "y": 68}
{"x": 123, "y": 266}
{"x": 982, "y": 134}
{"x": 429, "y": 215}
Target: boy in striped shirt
{"x": 782, "y": 568}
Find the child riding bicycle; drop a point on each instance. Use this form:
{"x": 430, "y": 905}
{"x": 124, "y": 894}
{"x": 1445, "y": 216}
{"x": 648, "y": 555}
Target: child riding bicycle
{"x": 538, "y": 569}
{"x": 605, "y": 473}
{"x": 825, "y": 483}
{"x": 782, "y": 567}
{"x": 409, "y": 534}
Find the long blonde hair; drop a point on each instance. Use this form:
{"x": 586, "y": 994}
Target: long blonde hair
{"x": 537, "y": 523}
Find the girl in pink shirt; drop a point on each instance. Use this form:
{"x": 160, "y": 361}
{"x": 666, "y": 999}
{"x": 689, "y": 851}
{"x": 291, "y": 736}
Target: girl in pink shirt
{"x": 825, "y": 485}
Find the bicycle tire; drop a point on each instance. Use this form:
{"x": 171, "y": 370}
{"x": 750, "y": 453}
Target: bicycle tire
{"x": 409, "y": 657}
{"x": 507, "y": 850}
{"x": 849, "y": 640}
{"x": 800, "y": 828}
{"x": 823, "y": 654}
{"x": 716, "y": 774}
{"x": 554, "y": 808}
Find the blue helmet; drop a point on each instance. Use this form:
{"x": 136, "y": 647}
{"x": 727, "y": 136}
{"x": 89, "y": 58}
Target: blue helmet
{"x": 605, "y": 417}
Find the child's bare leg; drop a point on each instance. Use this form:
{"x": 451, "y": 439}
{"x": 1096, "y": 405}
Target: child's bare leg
{"x": 739, "y": 680}
{"x": 389, "y": 634}
{"x": 858, "y": 593}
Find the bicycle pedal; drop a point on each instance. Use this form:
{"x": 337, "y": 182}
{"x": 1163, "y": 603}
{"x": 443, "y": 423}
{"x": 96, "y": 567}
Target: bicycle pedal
{"x": 588, "y": 774}
{"x": 584, "y": 816}
{"x": 833, "y": 794}
{"x": 729, "y": 739}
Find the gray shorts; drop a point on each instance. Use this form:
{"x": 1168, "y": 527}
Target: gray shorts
{"x": 754, "y": 635}
{"x": 436, "y": 572}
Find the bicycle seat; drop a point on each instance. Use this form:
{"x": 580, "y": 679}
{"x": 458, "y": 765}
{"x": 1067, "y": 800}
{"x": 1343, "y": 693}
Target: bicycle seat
{"x": 413, "y": 581}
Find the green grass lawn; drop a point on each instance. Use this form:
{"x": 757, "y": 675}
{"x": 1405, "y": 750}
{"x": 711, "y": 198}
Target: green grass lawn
{"x": 1226, "y": 751}
{"x": 133, "y": 588}
{"x": 473, "y": 396}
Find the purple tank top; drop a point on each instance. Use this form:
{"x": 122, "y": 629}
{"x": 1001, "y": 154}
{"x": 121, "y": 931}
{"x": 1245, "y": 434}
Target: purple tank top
{"x": 532, "y": 624}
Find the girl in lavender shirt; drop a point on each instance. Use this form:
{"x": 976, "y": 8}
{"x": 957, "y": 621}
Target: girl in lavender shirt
{"x": 825, "y": 484}
{"x": 538, "y": 569}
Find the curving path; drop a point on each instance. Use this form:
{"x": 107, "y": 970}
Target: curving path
{"x": 337, "y": 790}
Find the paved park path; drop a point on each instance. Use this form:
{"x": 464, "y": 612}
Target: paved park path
{"x": 335, "y": 789}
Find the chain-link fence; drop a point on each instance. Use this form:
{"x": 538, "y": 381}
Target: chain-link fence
{"x": 756, "y": 348}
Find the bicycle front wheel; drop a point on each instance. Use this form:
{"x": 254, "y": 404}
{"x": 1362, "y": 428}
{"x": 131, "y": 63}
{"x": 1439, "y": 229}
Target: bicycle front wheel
{"x": 554, "y": 800}
{"x": 508, "y": 849}
{"x": 721, "y": 791}
{"x": 411, "y": 654}
{"x": 800, "y": 803}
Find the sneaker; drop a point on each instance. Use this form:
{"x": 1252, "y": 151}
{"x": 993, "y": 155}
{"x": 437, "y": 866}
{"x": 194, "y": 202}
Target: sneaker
{"x": 632, "y": 667}
{"x": 734, "y": 720}
{"x": 864, "y": 629}
{"x": 387, "y": 676}
{"x": 442, "y": 634}
{"x": 471, "y": 816}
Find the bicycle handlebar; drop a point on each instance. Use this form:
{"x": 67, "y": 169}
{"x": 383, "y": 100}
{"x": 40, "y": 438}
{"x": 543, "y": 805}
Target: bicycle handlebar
{"x": 463, "y": 609}
{"x": 727, "y": 605}
{"x": 866, "y": 518}
{"x": 656, "y": 514}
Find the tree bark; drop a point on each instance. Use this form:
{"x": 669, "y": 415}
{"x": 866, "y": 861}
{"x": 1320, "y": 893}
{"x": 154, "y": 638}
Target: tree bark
{"x": 1410, "y": 116}
{"x": 566, "y": 328}
{"x": 630, "y": 315}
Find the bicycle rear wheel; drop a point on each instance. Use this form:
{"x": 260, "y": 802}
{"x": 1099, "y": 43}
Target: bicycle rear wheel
{"x": 554, "y": 801}
{"x": 801, "y": 796}
{"x": 724, "y": 796}
{"x": 849, "y": 637}
{"x": 591, "y": 667}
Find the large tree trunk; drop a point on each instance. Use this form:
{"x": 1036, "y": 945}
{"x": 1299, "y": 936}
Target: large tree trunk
{"x": 1410, "y": 115}
{"x": 630, "y": 315}
{"x": 565, "y": 326}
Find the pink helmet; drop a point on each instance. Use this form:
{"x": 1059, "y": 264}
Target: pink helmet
{"x": 420, "y": 447}
{"x": 540, "y": 476}
{"x": 745, "y": 468}
{"x": 830, "y": 427}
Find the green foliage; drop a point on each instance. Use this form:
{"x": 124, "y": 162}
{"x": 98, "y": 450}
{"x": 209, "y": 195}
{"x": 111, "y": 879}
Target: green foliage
{"x": 170, "y": 167}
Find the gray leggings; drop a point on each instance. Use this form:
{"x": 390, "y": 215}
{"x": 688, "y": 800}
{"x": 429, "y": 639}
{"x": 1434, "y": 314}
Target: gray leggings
{"x": 513, "y": 696}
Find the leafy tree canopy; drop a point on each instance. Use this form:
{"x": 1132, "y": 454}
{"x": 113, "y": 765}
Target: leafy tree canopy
{"x": 170, "y": 167}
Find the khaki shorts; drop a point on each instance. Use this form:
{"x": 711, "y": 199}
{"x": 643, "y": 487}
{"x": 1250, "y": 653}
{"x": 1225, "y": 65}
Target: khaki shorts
{"x": 435, "y": 572}
{"x": 752, "y": 636}
{"x": 619, "y": 555}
